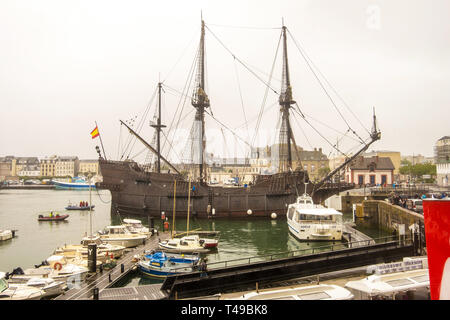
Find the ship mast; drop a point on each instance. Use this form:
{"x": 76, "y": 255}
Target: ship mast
{"x": 285, "y": 100}
{"x": 200, "y": 101}
{"x": 158, "y": 127}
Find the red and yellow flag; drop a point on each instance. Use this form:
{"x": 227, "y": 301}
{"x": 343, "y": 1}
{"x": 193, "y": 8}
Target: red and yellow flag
{"x": 95, "y": 133}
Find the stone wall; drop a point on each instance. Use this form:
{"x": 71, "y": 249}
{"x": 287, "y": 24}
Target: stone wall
{"x": 388, "y": 216}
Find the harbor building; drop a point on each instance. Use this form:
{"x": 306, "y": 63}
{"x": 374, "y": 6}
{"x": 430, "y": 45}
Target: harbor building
{"x": 67, "y": 166}
{"x": 442, "y": 150}
{"x": 313, "y": 161}
{"x": 442, "y": 159}
{"x": 87, "y": 167}
{"x": 418, "y": 159}
{"x": 374, "y": 170}
{"x": 14, "y": 167}
{"x": 395, "y": 157}
{"x": 48, "y": 166}
{"x": 25, "y": 167}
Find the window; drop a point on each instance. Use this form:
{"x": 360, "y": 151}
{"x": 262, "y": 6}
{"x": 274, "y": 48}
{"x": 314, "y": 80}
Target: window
{"x": 314, "y": 296}
{"x": 383, "y": 179}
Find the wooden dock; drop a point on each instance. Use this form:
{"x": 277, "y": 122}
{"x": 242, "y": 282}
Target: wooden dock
{"x": 101, "y": 281}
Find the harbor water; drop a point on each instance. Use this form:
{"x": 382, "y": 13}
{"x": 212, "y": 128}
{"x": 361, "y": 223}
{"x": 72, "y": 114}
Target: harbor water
{"x": 35, "y": 241}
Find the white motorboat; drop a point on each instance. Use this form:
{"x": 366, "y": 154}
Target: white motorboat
{"x": 188, "y": 244}
{"x": 136, "y": 226}
{"x": 104, "y": 250}
{"x": 49, "y": 286}
{"x": 309, "y": 221}
{"x": 6, "y": 235}
{"x": 120, "y": 235}
{"x": 57, "y": 268}
{"x": 311, "y": 292}
{"x": 18, "y": 292}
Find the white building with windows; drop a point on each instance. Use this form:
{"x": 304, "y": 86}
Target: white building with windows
{"x": 443, "y": 174}
{"x": 373, "y": 171}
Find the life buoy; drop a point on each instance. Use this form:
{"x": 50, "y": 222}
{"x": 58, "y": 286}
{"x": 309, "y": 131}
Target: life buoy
{"x": 57, "y": 266}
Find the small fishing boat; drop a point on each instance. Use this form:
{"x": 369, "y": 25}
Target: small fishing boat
{"x": 18, "y": 292}
{"x": 79, "y": 207}
{"x": 119, "y": 235}
{"x": 53, "y": 216}
{"x": 188, "y": 244}
{"x": 162, "y": 264}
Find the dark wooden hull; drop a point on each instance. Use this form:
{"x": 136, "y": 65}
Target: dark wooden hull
{"x": 137, "y": 192}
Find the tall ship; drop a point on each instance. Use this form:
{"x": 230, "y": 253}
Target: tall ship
{"x": 139, "y": 189}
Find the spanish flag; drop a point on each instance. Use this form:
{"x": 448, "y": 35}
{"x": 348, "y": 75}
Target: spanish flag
{"x": 95, "y": 133}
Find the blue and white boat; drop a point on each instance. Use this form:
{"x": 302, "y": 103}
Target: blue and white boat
{"x": 77, "y": 183}
{"x": 162, "y": 264}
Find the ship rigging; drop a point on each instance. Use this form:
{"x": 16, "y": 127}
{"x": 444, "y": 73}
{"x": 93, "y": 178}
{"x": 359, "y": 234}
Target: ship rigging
{"x": 146, "y": 189}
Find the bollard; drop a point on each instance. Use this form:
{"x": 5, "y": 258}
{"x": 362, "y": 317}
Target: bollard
{"x": 109, "y": 277}
{"x": 122, "y": 268}
{"x": 95, "y": 294}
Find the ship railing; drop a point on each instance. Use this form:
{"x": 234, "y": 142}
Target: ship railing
{"x": 408, "y": 240}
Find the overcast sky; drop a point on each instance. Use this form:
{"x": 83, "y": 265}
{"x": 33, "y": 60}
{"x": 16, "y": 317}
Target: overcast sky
{"x": 66, "y": 64}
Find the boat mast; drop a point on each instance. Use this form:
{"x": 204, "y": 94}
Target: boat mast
{"x": 150, "y": 147}
{"x": 158, "y": 127}
{"x": 375, "y": 135}
{"x": 200, "y": 101}
{"x": 285, "y": 100}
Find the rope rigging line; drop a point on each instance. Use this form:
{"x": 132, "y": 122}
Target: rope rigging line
{"x": 139, "y": 127}
{"x": 186, "y": 88}
{"x": 307, "y": 60}
{"x": 223, "y": 125}
{"x": 242, "y": 99}
{"x": 301, "y": 114}
{"x": 243, "y": 27}
{"x": 301, "y": 128}
{"x": 329, "y": 84}
{"x": 258, "y": 123}
{"x": 241, "y": 62}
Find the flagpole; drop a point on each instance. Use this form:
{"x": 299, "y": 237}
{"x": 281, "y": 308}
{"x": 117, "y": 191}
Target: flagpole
{"x": 101, "y": 142}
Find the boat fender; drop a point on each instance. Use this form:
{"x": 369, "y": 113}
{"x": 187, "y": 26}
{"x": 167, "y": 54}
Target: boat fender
{"x": 201, "y": 241}
{"x": 57, "y": 266}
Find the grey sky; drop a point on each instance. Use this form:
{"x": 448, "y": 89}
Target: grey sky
{"x": 66, "y": 64}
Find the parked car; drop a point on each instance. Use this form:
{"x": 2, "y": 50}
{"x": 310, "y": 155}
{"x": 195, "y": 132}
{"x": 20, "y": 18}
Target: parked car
{"x": 414, "y": 205}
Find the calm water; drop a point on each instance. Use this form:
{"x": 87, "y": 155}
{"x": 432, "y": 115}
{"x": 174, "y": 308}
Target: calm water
{"x": 36, "y": 241}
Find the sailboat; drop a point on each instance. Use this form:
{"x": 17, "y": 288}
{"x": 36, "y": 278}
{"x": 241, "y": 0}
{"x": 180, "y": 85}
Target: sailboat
{"x": 137, "y": 190}
{"x": 188, "y": 243}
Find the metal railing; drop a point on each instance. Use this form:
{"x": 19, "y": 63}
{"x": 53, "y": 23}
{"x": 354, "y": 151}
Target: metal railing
{"x": 303, "y": 252}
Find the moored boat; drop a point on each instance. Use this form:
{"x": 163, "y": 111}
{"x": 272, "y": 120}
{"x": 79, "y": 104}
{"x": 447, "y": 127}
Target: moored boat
{"x": 18, "y": 292}
{"x": 311, "y": 222}
{"x": 119, "y": 235}
{"x": 104, "y": 250}
{"x": 187, "y": 244}
{"x": 162, "y": 264}
{"x": 6, "y": 235}
{"x": 76, "y": 184}
{"x": 49, "y": 286}
{"x": 135, "y": 226}
{"x": 55, "y": 267}
{"x": 314, "y": 292}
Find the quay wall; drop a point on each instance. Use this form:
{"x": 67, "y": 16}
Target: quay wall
{"x": 348, "y": 200}
{"x": 387, "y": 216}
